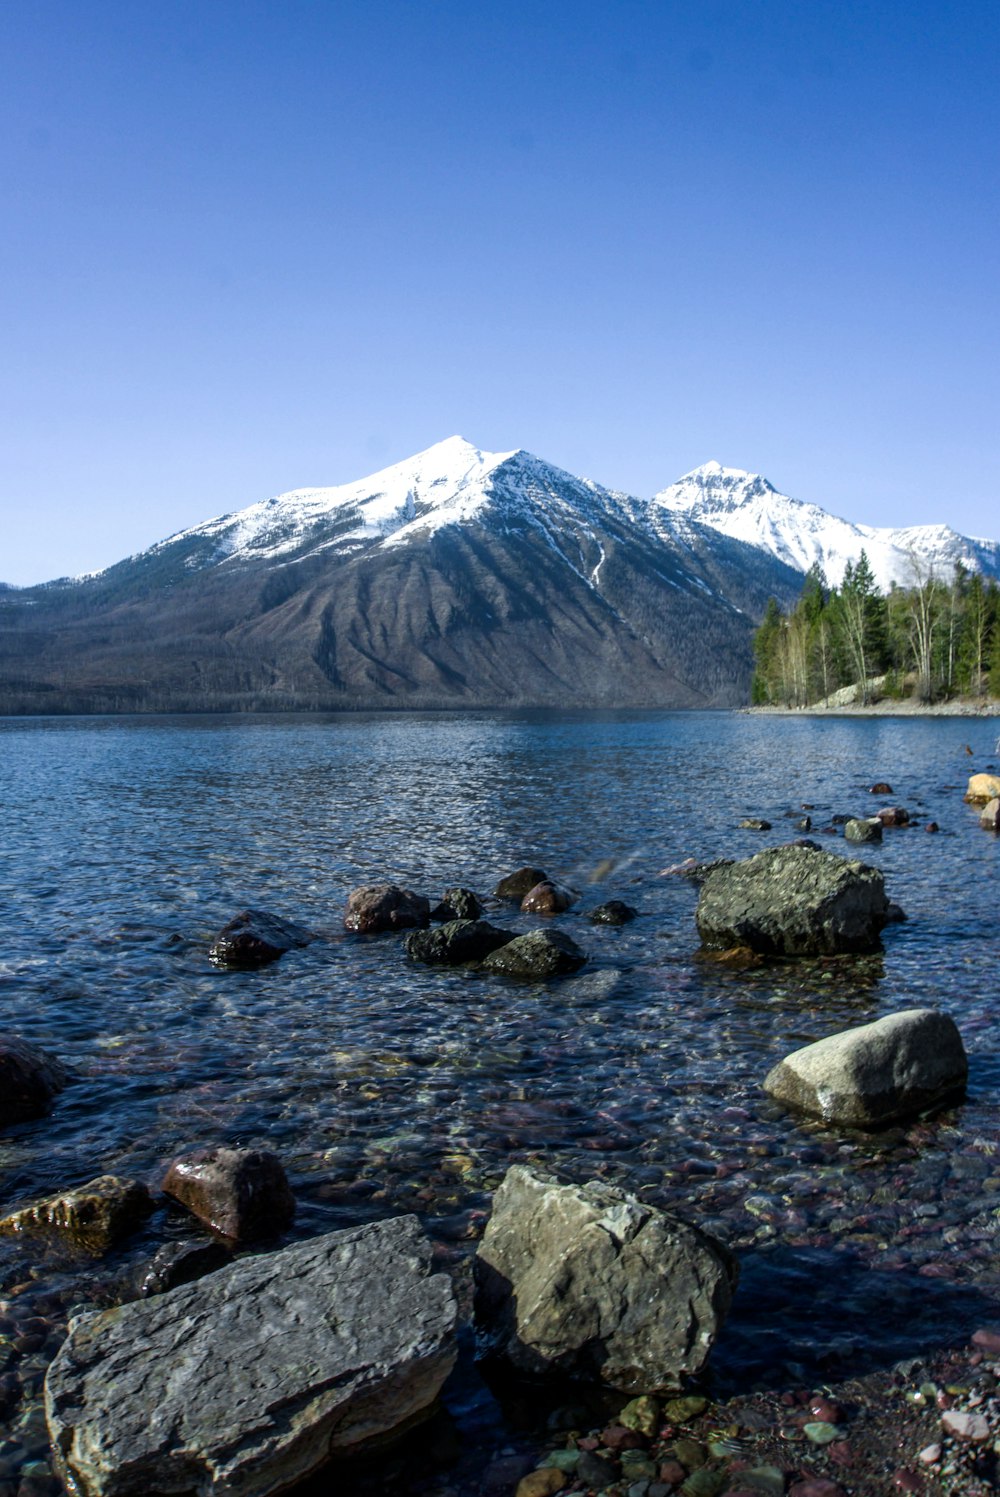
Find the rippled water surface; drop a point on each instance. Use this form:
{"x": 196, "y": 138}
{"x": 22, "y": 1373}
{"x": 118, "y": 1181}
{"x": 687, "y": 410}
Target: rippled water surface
{"x": 385, "y": 1086}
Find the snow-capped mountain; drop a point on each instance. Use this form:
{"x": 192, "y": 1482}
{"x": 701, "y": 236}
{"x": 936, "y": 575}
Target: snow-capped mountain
{"x": 748, "y": 508}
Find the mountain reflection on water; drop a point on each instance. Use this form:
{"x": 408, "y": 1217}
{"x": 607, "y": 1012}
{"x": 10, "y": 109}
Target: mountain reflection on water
{"x": 388, "y": 1087}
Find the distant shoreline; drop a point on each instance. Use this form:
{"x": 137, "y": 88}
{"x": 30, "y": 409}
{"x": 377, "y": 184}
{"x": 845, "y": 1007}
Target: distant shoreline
{"x": 980, "y": 708}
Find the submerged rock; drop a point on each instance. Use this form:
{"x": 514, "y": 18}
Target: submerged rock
{"x": 695, "y": 871}
{"x": 614, "y": 912}
{"x": 179, "y": 1263}
{"x": 30, "y": 1080}
{"x": 456, "y": 942}
{"x": 516, "y": 885}
{"x": 871, "y": 1075}
{"x": 548, "y": 898}
{"x": 457, "y": 904}
{"x": 541, "y": 953}
{"x": 242, "y": 1193}
{"x": 894, "y": 816}
{"x": 793, "y": 901}
{"x": 590, "y": 1283}
{"x": 754, "y": 824}
{"x": 254, "y": 938}
{"x": 93, "y": 1216}
{"x": 378, "y": 907}
{"x": 250, "y": 1379}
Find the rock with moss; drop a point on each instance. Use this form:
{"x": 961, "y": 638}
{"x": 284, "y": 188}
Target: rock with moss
{"x": 93, "y": 1216}
{"x": 540, "y": 954}
{"x": 793, "y": 901}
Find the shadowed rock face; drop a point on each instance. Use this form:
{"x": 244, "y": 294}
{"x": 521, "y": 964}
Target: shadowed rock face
{"x": 250, "y": 1379}
{"x": 793, "y": 901}
{"x": 29, "y": 1080}
{"x": 876, "y": 1073}
{"x": 590, "y": 1283}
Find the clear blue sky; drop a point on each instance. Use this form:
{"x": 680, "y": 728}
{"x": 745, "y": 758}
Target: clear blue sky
{"x": 251, "y": 245}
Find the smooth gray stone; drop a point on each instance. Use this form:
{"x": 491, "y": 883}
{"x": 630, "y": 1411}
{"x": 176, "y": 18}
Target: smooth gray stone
{"x": 875, "y": 1073}
{"x": 246, "y": 1381}
{"x": 584, "y": 1281}
{"x": 793, "y": 901}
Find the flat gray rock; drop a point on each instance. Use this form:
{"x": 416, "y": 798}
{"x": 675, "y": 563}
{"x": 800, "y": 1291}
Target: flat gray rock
{"x": 871, "y": 1075}
{"x": 586, "y": 1282}
{"x": 246, "y": 1381}
{"x": 793, "y": 901}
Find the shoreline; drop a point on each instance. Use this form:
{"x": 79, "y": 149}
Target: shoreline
{"x": 986, "y": 708}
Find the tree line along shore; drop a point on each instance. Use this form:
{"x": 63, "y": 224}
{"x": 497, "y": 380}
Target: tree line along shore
{"x": 931, "y": 646}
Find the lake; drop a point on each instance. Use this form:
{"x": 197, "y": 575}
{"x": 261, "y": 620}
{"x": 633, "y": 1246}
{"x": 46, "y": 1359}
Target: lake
{"x": 387, "y": 1087}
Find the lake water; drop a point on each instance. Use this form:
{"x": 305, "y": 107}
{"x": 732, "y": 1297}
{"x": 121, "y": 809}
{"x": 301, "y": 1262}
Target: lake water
{"x": 386, "y": 1087}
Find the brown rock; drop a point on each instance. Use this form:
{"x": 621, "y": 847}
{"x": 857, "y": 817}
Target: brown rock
{"x": 548, "y": 898}
{"x": 894, "y": 816}
{"x": 816, "y": 1486}
{"x": 378, "y": 907}
{"x": 242, "y": 1193}
{"x": 94, "y": 1215}
{"x": 516, "y": 885}
{"x": 29, "y": 1080}
{"x": 987, "y": 1340}
{"x": 254, "y": 938}
{"x": 880, "y": 787}
{"x": 541, "y": 1483}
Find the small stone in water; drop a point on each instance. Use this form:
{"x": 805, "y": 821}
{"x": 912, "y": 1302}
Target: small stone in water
{"x": 987, "y": 1340}
{"x": 562, "y": 1460}
{"x": 680, "y": 1410}
{"x": 826, "y": 1409}
{"x": 820, "y": 1432}
{"x": 643, "y": 1415}
{"x": 690, "y": 1453}
{"x": 907, "y": 1481}
{"x": 768, "y": 1480}
{"x": 816, "y": 1486}
{"x": 930, "y": 1454}
{"x": 541, "y": 1483}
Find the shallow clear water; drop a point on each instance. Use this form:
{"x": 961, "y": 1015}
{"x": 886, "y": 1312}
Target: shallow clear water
{"x": 385, "y": 1086}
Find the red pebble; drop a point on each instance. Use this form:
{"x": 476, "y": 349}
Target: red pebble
{"x": 816, "y": 1486}
{"x": 673, "y": 1473}
{"x": 826, "y": 1409}
{"x": 841, "y": 1452}
{"x": 589, "y": 1442}
{"x": 987, "y": 1340}
{"x": 617, "y": 1437}
{"x": 906, "y": 1480}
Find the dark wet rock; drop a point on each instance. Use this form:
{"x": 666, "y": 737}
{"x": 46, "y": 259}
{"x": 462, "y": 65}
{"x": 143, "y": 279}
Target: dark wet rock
{"x": 548, "y": 898}
{"x": 894, "y": 816}
{"x": 595, "y": 1470}
{"x": 804, "y": 824}
{"x": 540, "y": 954}
{"x": 895, "y": 914}
{"x": 516, "y": 885}
{"x": 179, "y": 1263}
{"x": 255, "y": 1376}
{"x": 754, "y": 824}
{"x": 983, "y": 788}
{"x": 793, "y": 901}
{"x": 931, "y": 826}
{"x": 30, "y": 1080}
{"x": 863, "y": 829}
{"x": 242, "y": 1193}
{"x": 881, "y": 787}
{"x": 613, "y": 912}
{"x": 591, "y": 1283}
{"x": 94, "y": 1216}
{"x": 456, "y": 942}
{"x": 695, "y": 871}
{"x": 254, "y": 938}
{"x": 990, "y": 817}
{"x": 457, "y": 904}
{"x": 868, "y": 1076}
{"x": 839, "y": 819}
{"x": 377, "y": 907}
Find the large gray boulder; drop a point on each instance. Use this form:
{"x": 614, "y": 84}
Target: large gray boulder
{"x": 793, "y": 901}
{"x": 251, "y": 1378}
{"x": 864, "y": 1077}
{"x": 590, "y": 1283}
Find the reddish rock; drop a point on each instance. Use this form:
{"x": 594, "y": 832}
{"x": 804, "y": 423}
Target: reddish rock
{"x": 880, "y": 787}
{"x": 905, "y": 1480}
{"x": 29, "y": 1080}
{"x": 617, "y": 1437}
{"x": 816, "y": 1486}
{"x": 894, "y": 816}
{"x": 673, "y": 1473}
{"x": 987, "y": 1340}
{"x": 547, "y": 898}
{"x": 242, "y": 1193}
{"x": 378, "y": 907}
{"x": 931, "y": 826}
{"x": 826, "y": 1409}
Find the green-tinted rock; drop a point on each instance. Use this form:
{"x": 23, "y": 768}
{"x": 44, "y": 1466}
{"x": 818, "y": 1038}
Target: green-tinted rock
{"x": 562, "y": 1460}
{"x": 641, "y": 1414}
{"x": 690, "y": 1453}
{"x": 680, "y": 1410}
{"x": 705, "y": 1483}
{"x": 768, "y": 1480}
{"x": 820, "y": 1433}
{"x": 636, "y": 1464}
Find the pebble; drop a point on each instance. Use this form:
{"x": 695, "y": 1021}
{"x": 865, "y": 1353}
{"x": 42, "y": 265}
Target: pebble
{"x": 643, "y": 1415}
{"x": 930, "y": 1454}
{"x": 906, "y": 1480}
{"x": 595, "y": 1470}
{"x": 972, "y": 1427}
{"x": 820, "y": 1432}
{"x": 816, "y": 1486}
{"x": 987, "y": 1340}
{"x": 541, "y": 1483}
{"x": 672, "y": 1472}
{"x": 681, "y": 1410}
